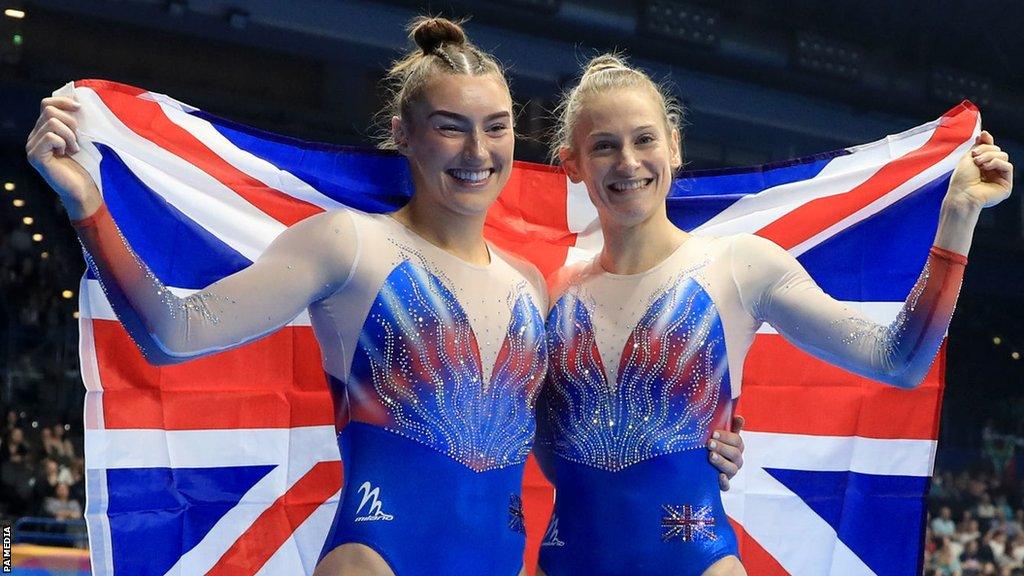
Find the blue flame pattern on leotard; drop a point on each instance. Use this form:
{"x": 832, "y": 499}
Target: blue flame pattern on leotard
{"x": 672, "y": 386}
{"x": 416, "y": 371}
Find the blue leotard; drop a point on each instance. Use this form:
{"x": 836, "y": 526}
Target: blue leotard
{"x": 642, "y": 368}
{"x": 434, "y": 365}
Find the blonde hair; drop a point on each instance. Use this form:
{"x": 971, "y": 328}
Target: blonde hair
{"x": 603, "y": 73}
{"x": 442, "y": 48}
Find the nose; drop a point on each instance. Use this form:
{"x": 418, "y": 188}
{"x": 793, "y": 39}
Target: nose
{"x": 628, "y": 161}
{"x": 473, "y": 151}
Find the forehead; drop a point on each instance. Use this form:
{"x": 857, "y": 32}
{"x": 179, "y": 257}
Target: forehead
{"x": 466, "y": 95}
{"x": 619, "y": 110}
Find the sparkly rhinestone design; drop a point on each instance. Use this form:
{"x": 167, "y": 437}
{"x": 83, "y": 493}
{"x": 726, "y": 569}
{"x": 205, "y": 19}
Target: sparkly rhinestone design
{"x": 516, "y": 520}
{"x": 687, "y": 523}
{"x": 416, "y": 371}
{"x": 673, "y": 381}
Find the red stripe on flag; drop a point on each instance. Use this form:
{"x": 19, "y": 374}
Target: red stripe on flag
{"x": 538, "y": 502}
{"x": 147, "y": 119}
{"x": 803, "y": 223}
{"x": 788, "y": 391}
{"x": 530, "y": 217}
{"x": 275, "y": 382}
{"x": 275, "y": 526}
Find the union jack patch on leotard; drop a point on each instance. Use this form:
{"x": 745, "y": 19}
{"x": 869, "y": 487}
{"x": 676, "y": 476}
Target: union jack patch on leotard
{"x": 687, "y": 523}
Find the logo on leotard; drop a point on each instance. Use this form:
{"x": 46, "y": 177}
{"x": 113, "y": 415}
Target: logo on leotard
{"x": 371, "y": 496}
{"x": 551, "y": 536}
{"x": 687, "y": 523}
{"x": 516, "y": 522}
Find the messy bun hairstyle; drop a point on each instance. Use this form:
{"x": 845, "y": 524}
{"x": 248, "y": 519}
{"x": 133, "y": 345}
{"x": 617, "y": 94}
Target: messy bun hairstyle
{"x": 442, "y": 48}
{"x": 603, "y": 73}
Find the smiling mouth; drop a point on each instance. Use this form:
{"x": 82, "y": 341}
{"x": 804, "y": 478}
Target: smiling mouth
{"x": 470, "y": 177}
{"x": 630, "y": 185}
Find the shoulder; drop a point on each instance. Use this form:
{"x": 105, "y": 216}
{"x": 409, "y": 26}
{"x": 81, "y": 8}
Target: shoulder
{"x": 522, "y": 267}
{"x": 752, "y": 252}
{"x": 567, "y": 276}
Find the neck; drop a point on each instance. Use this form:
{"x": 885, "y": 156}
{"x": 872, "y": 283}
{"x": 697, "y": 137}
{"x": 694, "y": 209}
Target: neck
{"x": 636, "y": 248}
{"x": 455, "y": 233}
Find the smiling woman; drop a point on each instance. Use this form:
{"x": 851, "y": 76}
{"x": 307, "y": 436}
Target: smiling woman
{"x": 648, "y": 340}
{"x": 432, "y": 341}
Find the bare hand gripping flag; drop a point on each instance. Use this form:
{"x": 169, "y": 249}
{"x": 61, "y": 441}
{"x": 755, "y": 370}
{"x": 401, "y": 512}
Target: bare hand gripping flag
{"x": 228, "y": 464}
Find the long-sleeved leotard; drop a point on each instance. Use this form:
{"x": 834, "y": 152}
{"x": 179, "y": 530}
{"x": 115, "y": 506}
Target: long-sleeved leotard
{"x": 433, "y": 362}
{"x": 641, "y": 368}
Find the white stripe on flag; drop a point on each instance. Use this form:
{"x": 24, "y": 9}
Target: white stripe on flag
{"x": 151, "y": 448}
{"x": 840, "y": 175}
{"x": 247, "y": 162}
{"x": 192, "y": 191}
{"x": 782, "y": 523}
{"x": 933, "y": 172}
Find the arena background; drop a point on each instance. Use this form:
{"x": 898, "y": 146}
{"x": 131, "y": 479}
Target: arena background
{"x": 761, "y": 81}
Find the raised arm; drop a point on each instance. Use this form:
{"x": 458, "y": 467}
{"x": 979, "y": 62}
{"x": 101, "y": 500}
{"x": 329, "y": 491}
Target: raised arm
{"x": 776, "y": 289}
{"x": 305, "y": 263}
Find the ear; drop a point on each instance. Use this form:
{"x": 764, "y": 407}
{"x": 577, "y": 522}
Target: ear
{"x": 400, "y": 135}
{"x": 568, "y": 160}
{"x": 676, "y": 151}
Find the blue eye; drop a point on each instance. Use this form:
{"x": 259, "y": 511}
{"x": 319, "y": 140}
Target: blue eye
{"x": 646, "y": 139}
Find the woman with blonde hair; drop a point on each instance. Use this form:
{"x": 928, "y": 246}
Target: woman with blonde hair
{"x": 646, "y": 342}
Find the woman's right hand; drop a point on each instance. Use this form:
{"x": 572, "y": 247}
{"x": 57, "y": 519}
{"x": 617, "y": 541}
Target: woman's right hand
{"x": 49, "y": 149}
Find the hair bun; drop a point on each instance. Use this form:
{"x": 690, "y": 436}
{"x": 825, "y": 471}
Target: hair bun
{"x": 604, "y": 62}
{"x": 429, "y": 33}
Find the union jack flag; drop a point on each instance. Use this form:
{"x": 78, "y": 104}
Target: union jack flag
{"x": 229, "y": 465}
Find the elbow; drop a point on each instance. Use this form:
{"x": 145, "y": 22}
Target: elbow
{"x": 155, "y": 356}
{"x": 907, "y": 377}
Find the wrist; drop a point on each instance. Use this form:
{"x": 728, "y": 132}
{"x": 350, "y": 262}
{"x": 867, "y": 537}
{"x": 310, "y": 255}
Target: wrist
{"x": 82, "y": 206}
{"x": 957, "y": 218}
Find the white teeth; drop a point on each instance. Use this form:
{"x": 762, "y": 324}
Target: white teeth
{"x": 630, "y": 184}
{"x": 470, "y": 175}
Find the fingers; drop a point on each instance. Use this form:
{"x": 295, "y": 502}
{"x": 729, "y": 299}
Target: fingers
{"x": 726, "y": 467}
{"x": 54, "y": 130}
{"x": 723, "y": 482}
{"x": 983, "y": 157}
{"x": 55, "y": 113}
{"x": 65, "y": 132}
{"x": 45, "y": 142}
{"x": 731, "y": 451}
{"x": 61, "y": 102}
{"x": 984, "y": 138}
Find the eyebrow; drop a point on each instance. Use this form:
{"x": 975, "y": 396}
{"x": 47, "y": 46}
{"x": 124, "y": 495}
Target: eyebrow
{"x": 610, "y": 135}
{"x": 456, "y": 116}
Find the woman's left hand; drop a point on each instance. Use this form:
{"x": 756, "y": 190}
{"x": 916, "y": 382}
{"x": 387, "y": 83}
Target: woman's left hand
{"x": 726, "y": 452}
{"x": 984, "y": 176}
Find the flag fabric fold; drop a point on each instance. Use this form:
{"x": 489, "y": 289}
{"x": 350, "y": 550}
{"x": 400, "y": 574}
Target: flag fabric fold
{"x": 228, "y": 464}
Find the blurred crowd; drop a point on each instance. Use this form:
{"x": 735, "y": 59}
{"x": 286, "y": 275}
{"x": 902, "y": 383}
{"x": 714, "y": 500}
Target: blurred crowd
{"x": 976, "y": 516}
{"x": 41, "y": 469}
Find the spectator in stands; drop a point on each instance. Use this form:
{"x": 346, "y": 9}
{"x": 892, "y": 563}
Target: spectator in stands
{"x": 16, "y": 477}
{"x": 985, "y": 510}
{"x": 944, "y": 561}
{"x": 61, "y": 506}
{"x": 1016, "y": 551}
{"x": 968, "y": 530}
{"x": 943, "y": 525}
{"x": 10, "y": 421}
{"x": 970, "y": 559}
{"x": 16, "y": 446}
{"x": 63, "y": 448}
{"x": 1016, "y": 526}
